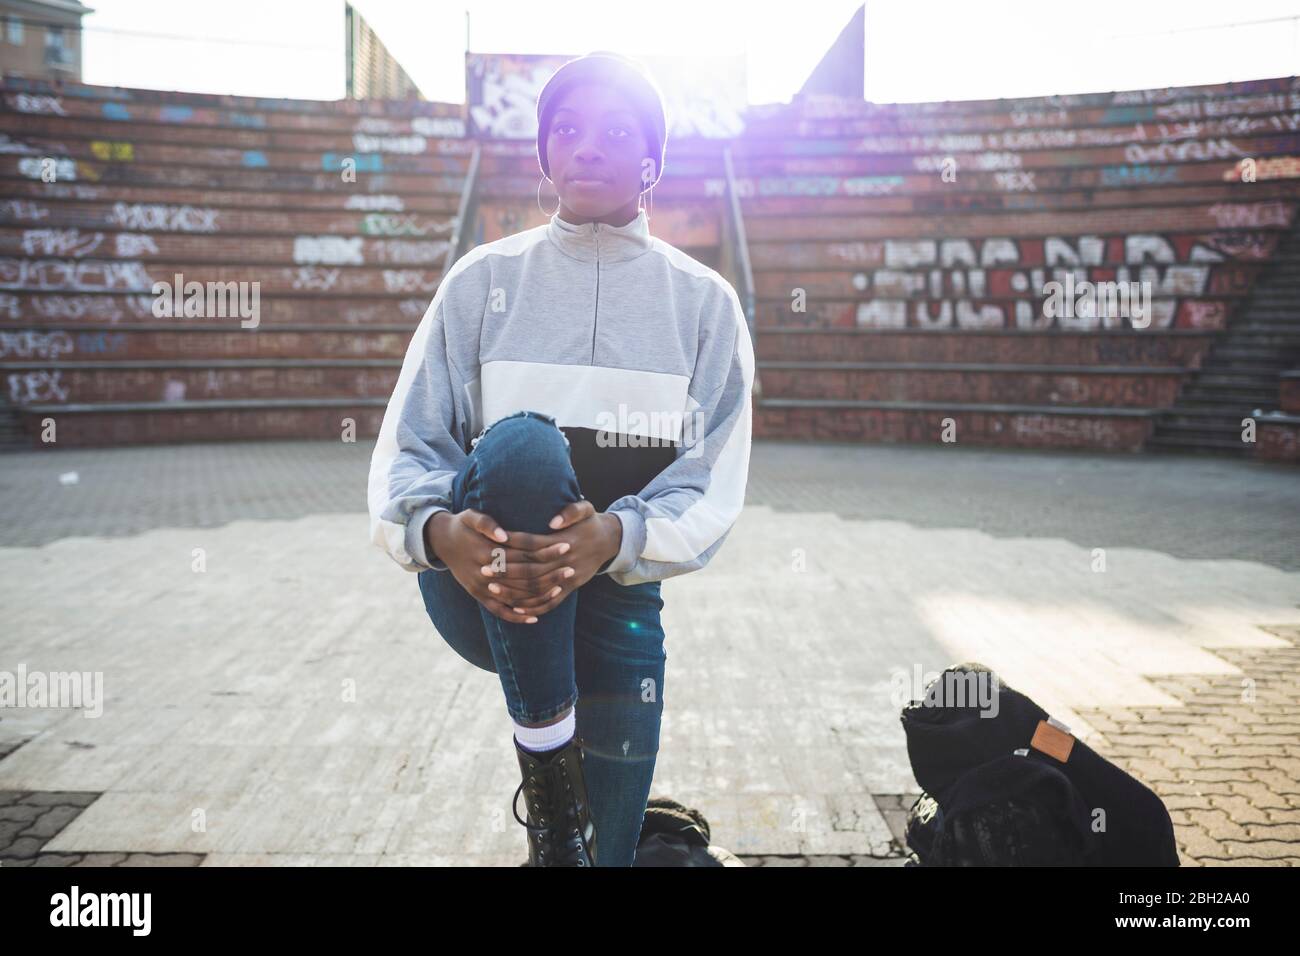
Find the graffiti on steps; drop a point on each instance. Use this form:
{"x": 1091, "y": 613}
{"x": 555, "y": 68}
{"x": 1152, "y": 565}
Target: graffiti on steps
{"x": 160, "y": 217}
{"x": 1251, "y": 215}
{"x": 808, "y": 186}
{"x": 351, "y": 251}
{"x": 31, "y": 344}
{"x": 314, "y": 279}
{"x": 410, "y": 280}
{"x": 377, "y": 202}
{"x": 98, "y": 307}
{"x": 955, "y": 276}
{"x": 1015, "y": 182}
{"x": 1098, "y": 431}
{"x": 328, "y": 250}
{"x": 387, "y": 224}
{"x": 1139, "y": 174}
{"x": 39, "y": 385}
{"x": 1257, "y": 245}
{"x": 1190, "y": 151}
{"x": 60, "y": 242}
{"x": 22, "y": 210}
{"x": 38, "y": 105}
{"x": 399, "y": 252}
{"x": 439, "y": 127}
{"x": 113, "y": 151}
{"x": 1227, "y": 106}
{"x": 73, "y": 275}
{"x": 982, "y": 162}
{"x": 402, "y": 145}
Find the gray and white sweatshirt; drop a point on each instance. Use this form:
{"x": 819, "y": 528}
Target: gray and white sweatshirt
{"x": 640, "y": 353}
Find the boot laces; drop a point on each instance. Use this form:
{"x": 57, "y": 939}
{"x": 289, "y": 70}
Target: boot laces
{"x": 561, "y": 840}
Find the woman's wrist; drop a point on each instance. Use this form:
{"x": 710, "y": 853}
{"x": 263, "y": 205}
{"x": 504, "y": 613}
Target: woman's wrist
{"x": 434, "y": 530}
{"x": 615, "y": 525}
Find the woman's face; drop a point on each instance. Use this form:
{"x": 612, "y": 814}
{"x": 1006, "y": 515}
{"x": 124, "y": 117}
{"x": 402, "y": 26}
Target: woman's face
{"x": 597, "y": 152}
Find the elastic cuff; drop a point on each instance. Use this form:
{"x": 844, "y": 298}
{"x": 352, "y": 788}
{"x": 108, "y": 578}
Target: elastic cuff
{"x": 633, "y": 541}
{"x": 415, "y": 537}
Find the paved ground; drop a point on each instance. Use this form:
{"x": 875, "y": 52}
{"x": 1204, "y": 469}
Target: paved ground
{"x": 224, "y": 738}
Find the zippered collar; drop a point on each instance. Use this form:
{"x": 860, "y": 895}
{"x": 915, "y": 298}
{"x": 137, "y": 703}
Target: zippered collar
{"x": 600, "y": 241}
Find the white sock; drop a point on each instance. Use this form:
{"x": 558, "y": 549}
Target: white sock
{"x": 550, "y": 737}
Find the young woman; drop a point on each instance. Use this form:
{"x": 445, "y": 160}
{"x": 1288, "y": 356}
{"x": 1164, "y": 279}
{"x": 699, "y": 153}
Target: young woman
{"x": 571, "y": 426}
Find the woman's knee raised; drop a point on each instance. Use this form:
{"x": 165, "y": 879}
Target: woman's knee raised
{"x": 524, "y": 465}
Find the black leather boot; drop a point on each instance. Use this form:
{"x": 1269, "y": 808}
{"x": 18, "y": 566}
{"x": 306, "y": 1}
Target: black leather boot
{"x": 561, "y": 831}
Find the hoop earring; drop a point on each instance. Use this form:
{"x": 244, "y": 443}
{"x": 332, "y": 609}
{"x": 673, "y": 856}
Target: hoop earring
{"x": 548, "y": 215}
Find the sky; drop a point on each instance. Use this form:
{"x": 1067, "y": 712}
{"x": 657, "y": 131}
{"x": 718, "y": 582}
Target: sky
{"x": 916, "y": 50}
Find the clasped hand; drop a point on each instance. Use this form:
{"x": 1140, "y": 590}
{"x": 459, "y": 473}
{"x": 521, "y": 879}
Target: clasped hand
{"x": 519, "y": 576}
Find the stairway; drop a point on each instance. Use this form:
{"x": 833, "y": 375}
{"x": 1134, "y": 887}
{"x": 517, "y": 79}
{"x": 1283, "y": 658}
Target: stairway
{"x": 12, "y": 436}
{"x": 1239, "y": 376}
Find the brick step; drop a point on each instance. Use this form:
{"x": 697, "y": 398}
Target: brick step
{"x": 1261, "y": 370}
{"x": 1154, "y": 348}
{"x": 343, "y": 139}
{"x": 128, "y": 344}
{"x": 231, "y": 176}
{"x": 1229, "y": 381}
{"x": 891, "y": 313}
{"x": 1234, "y": 386}
{"x": 132, "y": 277}
{"x": 163, "y": 423}
{"x": 183, "y": 158}
{"x": 1104, "y": 386}
{"x": 165, "y": 220}
{"x": 1219, "y": 374}
{"x": 88, "y": 100}
{"x": 1185, "y": 443}
{"x": 303, "y": 250}
{"x": 180, "y": 209}
{"x": 1271, "y": 306}
{"x": 1259, "y": 329}
{"x": 172, "y": 381}
{"x": 1251, "y": 354}
{"x": 285, "y": 312}
{"x": 1218, "y": 401}
{"x": 1213, "y": 423}
{"x": 922, "y": 422}
{"x": 777, "y": 158}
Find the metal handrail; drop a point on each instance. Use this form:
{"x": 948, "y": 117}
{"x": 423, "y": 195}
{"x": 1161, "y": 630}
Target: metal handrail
{"x": 468, "y": 202}
{"x": 740, "y": 250}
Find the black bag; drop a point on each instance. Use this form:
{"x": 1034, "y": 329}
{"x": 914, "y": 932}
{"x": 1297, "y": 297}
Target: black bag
{"x": 676, "y": 835}
{"x": 1014, "y": 789}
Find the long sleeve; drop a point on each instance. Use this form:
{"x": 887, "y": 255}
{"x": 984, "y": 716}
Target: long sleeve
{"x": 682, "y": 517}
{"x": 421, "y": 444}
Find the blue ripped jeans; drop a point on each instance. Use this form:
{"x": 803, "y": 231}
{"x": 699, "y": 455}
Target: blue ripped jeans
{"x": 601, "y": 649}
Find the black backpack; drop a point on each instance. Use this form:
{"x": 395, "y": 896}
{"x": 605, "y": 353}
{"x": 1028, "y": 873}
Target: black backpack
{"x": 1016, "y": 788}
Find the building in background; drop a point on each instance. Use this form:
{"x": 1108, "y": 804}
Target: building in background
{"x": 41, "y": 38}
{"x": 842, "y": 70}
{"x": 372, "y": 72}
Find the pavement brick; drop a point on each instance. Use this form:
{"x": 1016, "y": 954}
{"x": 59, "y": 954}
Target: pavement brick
{"x": 1262, "y": 849}
{"x": 1218, "y": 825}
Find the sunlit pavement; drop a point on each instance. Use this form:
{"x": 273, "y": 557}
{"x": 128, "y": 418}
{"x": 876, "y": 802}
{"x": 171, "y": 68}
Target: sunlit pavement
{"x": 273, "y": 691}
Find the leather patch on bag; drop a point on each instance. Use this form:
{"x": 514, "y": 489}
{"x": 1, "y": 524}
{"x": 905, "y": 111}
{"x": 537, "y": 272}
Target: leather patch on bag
{"x": 1052, "y": 741}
